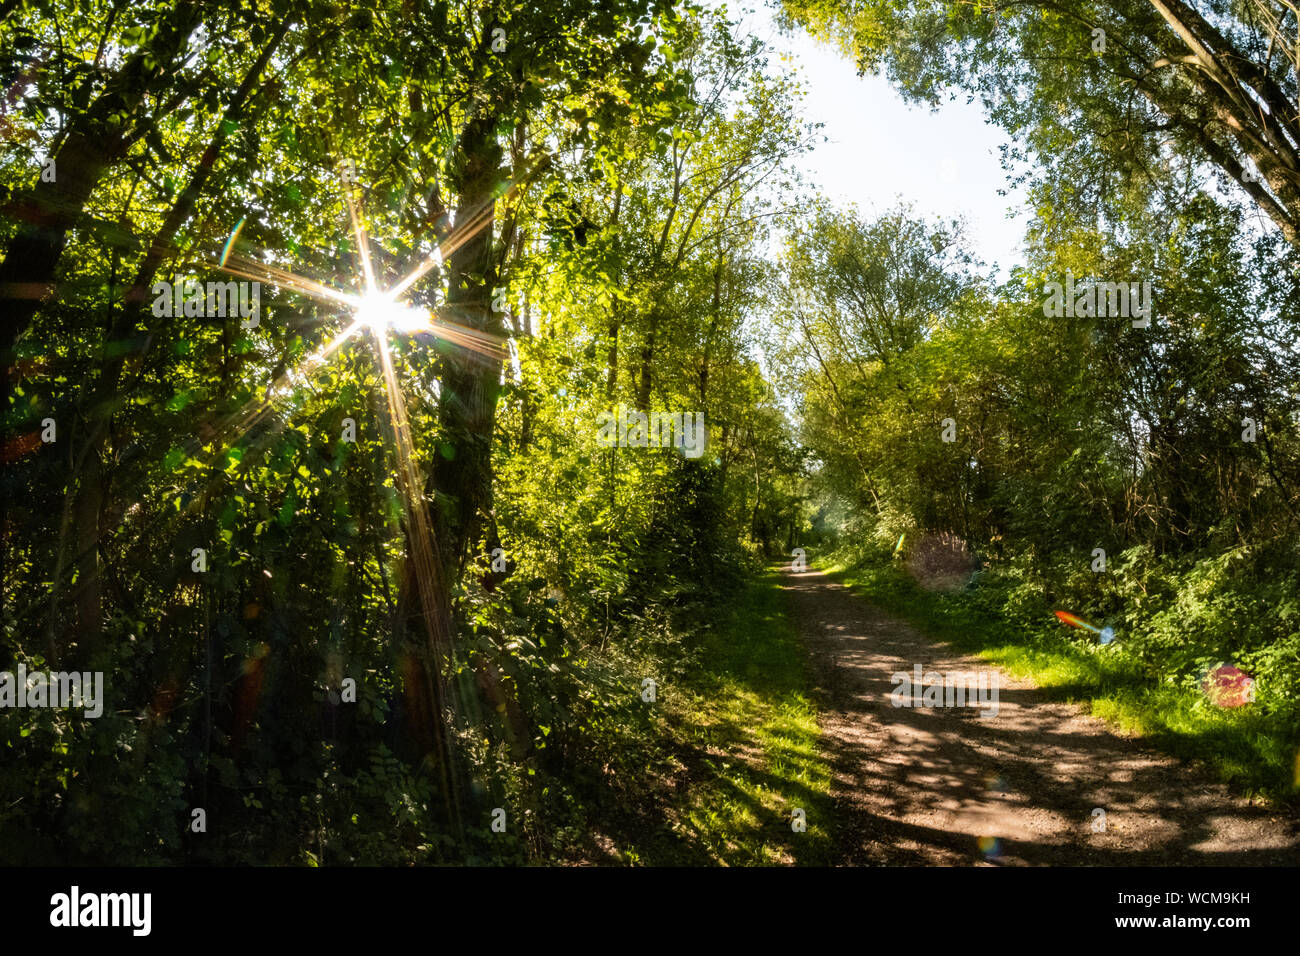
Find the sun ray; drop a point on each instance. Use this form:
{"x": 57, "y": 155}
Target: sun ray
{"x": 461, "y": 233}
{"x": 423, "y": 552}
{"x": 264, "y": 272}
{"x": 363, "y": 245}
{"x": 382, "y": 313}
{"x": 226, "y": 434}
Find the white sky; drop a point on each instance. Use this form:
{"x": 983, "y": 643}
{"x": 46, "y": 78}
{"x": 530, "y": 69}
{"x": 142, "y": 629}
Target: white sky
{"x": 880, "y": 149}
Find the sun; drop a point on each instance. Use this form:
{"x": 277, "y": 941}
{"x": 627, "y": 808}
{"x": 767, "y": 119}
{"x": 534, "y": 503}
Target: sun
{"x": 380, "y": 311}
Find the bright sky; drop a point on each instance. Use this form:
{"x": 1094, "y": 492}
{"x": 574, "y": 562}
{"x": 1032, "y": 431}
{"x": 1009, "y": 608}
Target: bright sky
{"x": 880, "y": 149}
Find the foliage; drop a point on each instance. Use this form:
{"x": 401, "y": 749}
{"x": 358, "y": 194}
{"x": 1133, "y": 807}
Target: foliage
{"x": 186, "y": 137}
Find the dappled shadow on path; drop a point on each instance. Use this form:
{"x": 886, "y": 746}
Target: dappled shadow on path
{"x": 945, "y": 785}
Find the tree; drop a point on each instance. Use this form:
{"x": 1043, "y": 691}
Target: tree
{"x": 1126, "y": 80}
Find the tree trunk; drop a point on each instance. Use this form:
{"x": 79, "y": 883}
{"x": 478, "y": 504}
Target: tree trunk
{"x": 471, "y": 384}
{"x": 647, "y": 363}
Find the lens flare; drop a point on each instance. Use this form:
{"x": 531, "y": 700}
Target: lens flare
{"x": 1070, "y": 619}
{"x": 230, "y": 243}
{"x": 1228, "y": 686}
{"x": 1107, "y": 634}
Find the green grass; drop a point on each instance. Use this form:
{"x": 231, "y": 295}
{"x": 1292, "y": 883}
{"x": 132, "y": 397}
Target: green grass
{"x": 1248, "y": 749}
{"x": 746, "y": 722}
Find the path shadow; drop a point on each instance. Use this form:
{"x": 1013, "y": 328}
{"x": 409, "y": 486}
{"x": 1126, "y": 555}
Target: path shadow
{"x": 939, "y": 785}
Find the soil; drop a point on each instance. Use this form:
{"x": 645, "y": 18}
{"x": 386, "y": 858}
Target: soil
{"x": 946, "y": 786}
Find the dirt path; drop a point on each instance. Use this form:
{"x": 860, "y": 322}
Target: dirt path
{"x": 923, "y": 785}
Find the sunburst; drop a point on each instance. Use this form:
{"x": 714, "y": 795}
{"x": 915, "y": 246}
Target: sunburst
{"x": 384, "y": 312}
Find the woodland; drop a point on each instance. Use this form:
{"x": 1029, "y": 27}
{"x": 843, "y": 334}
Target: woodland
{"x": 367, "y": 579}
